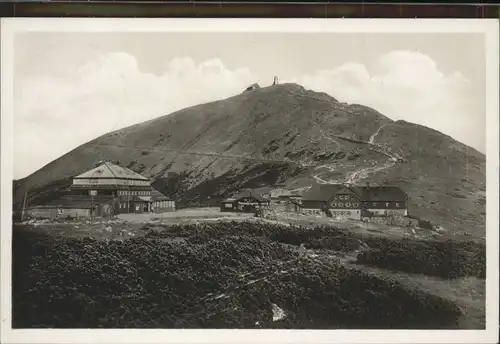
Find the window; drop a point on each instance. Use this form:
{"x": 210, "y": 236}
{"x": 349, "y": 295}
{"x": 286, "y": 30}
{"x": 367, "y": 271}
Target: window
{"x": 387, "y": 204}
{"x": 341, "y": 205}
{"x": 397, "y": 205}
{"x": 137, "y": 207}
{"x": 334, "y": 204}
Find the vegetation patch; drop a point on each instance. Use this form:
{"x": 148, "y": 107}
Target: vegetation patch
{"x": 233, "y": 282}
{"x": 448, "y": 259}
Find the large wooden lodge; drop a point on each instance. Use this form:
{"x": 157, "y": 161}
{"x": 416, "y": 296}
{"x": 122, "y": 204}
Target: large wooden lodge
{"x": 104, "y": 191}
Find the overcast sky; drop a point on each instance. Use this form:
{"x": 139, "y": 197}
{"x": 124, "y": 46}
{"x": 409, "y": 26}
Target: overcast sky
{"x": 73, "y": 87}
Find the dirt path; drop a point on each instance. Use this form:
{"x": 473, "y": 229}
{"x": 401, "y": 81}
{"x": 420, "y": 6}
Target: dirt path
{"x": 358, "y": 175}
{"x": 468, "y": 293}
{"x": 374, "y": 136}
{"x": 363, "y": 173}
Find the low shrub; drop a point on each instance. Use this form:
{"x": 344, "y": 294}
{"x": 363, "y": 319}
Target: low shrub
{"x": 226, "y": 282}
{"x": 448, "y": 259}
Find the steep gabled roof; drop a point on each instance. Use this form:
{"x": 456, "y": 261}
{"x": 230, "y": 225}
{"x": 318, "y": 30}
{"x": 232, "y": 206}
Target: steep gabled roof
{"x": 379, "y": 193}
{"x": 324, "y": 192}
{"x": 110, "y": 170}
{"x": 158, "y": 196}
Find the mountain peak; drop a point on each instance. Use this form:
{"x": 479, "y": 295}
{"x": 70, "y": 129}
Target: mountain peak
{"x": 270, "y": 135}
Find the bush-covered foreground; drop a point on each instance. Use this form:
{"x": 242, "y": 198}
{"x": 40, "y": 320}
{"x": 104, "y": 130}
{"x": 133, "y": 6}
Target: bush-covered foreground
{"x": 447, "y": 259}
{"x": 203, "y": 282}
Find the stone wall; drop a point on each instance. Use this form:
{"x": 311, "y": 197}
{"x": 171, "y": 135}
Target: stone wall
{"x": 398, "y": 220}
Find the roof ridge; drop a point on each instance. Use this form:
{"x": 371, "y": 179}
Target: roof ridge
{"x": 110, "y": 170}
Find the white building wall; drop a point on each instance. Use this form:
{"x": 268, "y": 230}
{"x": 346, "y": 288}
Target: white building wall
{"x": 121, "y": 182}
{"x": 163, "y": 206}
{"x": 342, "y": 214}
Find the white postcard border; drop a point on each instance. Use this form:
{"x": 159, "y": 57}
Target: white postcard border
{"x": 489, "y": 27}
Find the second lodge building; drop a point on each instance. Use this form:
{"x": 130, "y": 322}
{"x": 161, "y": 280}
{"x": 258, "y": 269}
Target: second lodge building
{"x": 353, "y": 202}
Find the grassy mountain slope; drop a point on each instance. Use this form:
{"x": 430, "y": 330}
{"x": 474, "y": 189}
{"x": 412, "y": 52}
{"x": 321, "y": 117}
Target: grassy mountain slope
{"x": 285, "y": 122}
